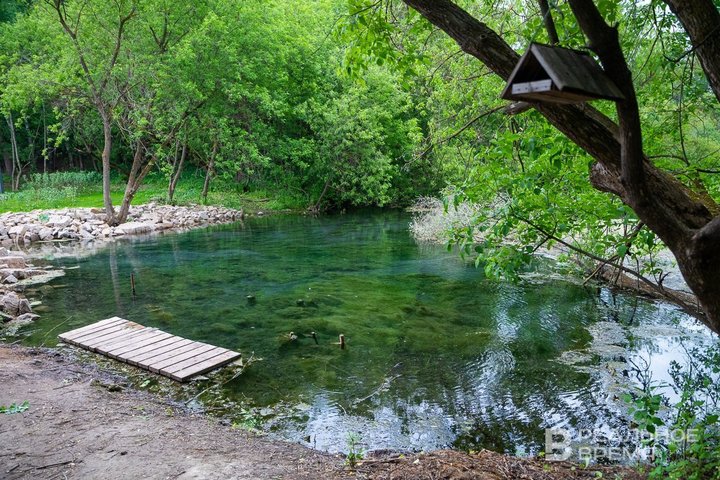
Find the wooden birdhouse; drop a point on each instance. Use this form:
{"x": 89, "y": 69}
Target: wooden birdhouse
{"x": 558, "y": 75}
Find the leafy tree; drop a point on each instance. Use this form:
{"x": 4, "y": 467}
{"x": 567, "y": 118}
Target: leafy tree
{"x": 677, "y": 206}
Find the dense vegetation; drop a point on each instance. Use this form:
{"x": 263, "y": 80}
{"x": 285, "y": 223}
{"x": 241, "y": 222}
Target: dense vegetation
{"x": 344, "y": 103}
{"x": 250, "y": 92}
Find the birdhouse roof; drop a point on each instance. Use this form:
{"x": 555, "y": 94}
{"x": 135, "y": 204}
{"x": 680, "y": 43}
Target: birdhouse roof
{"x": 571, "y": 71}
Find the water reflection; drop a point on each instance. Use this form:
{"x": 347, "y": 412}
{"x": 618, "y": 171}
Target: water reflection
{"x": 437, "y": 356}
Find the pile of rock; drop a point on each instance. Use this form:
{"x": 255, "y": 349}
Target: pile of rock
{"x": 13, "y": 271}
{"x": 88, "y": 224}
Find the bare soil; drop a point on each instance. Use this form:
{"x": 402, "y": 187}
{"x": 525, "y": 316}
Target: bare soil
{"x": 83, "y": 424}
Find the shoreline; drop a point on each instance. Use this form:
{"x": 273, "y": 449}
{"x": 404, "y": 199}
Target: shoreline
{"x": 80, "y": 228}
{"x": 88, "y": 224}
{"x": 114, "y": 382}
{"x": 85, "y": 420}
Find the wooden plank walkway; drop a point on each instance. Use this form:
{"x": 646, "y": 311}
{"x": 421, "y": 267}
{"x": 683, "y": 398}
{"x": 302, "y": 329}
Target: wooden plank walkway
{"x": 149, "y": 348}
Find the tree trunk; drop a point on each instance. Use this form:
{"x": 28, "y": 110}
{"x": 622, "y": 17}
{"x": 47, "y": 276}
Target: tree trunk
{"x": 107, "y": 146}
{"x": 685, "y": 221}
{"x": 177, "y": 171}
{"x": 701, "y": 20}
{"x": 210, "y": 171}
{"x": 138, "y": 172}
{"x": 15, "y": 166}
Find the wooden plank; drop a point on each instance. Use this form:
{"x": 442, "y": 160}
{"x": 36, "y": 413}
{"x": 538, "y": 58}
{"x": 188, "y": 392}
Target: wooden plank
{"x": 528, "y": 87}
{"x": 137, "y": 352}
{"x": 91, "y": 328}
{"x": 85, "y": 337}
{"x": 193, "y": 350}
{"x": 126, "y": 330}
{"x": 189, "y": 362}
{"x": 128, "y": 348}
{"x": 144, "y": 355}
{"x": 202, "y": 367}
{"x": 149, "y": 348}
{"x": 144, "y": 337}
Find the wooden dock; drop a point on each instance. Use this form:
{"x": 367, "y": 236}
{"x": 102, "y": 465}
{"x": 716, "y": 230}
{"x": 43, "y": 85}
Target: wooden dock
{"x": 149, "y": 348}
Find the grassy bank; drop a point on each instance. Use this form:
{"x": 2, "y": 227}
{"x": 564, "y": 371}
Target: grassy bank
{"x": 84, "y": 189}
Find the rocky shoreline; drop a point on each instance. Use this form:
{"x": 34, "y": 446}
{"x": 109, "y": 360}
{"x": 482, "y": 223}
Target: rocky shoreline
{"x": 85, "y": 224}
{"x": 81, "y": 226}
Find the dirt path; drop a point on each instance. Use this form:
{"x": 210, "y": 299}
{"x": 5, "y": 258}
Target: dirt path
{"x": 81, "y": 425}
{"x": 75, "y": 428}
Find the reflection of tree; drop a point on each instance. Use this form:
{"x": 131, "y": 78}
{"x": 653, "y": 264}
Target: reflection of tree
{"x": 115, "y": 279}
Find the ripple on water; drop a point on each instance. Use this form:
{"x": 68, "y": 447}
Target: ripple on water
{"x": 484, "y": 364}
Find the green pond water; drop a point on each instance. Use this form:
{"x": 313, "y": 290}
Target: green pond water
{"x": 437, "y": 356}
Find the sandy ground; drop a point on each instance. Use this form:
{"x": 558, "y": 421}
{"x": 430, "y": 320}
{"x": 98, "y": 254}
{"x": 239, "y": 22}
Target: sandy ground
{"x": 83, "y": 424}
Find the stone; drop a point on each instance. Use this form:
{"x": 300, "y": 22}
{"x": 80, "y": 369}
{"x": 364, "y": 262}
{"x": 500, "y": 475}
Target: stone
{"x": 59, "y": 221}
{"x": 12, "y": 304}
{"x": 10, "y": 279}
{"x": 45, "y": 234}
{"x": 13, "y": 262}
{"x": 17, "y": 231}
{"x": 133, "y": 228}
{"x": 27, "y": 318}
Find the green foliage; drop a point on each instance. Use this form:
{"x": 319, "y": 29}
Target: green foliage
{"x": 15, "y": 408}
{"x": 78, "y": 180}
{"x": 689, "y": 447}
{"x": 355, "y": 452}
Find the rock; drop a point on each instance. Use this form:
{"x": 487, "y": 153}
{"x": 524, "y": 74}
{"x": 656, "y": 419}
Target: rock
{"x": 133, "y": 228}
{"x": 10, "y": 279}
{"x": 12, "y": 262}
{"x": 59, "y": 221}
{"x": 67, "y": 233}
{"x": 46, "y": 234}
{"x": 12, "y": 304}
{"x": 17, "y": 231}
{"x": 26, "y": 318}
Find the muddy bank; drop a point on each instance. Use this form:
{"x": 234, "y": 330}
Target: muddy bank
{"x": 84, "y": 421}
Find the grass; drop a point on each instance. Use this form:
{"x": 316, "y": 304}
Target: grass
{"x": 84, "y": 189}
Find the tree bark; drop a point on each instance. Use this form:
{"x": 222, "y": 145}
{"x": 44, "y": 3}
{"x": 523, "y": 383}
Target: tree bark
{"x": 701, "y": 21}
{"x": 685, "y": 221}
{"x": 138, "y": 172}
{"x": 15, "y": 170}
{"x": 107, "y": 147}
{"x": 177, "y": 171}
{"x": 210, "y": 171}
{"x": 549, "y": 22}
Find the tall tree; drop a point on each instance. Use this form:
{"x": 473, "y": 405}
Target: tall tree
{"x": 687, "y": 221}
{"x": 98, "y": 69}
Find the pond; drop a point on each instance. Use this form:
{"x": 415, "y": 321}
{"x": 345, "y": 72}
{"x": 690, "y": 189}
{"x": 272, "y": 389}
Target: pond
{"x": 437, "y": 356}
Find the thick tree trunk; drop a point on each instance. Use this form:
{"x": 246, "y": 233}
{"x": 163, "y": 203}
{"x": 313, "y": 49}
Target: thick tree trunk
{"x": 687, "y": 222}
{"x": 138, "y": 172}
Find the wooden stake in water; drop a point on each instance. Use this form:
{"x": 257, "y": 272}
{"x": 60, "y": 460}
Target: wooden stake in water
{"x": 132, "y": 283}
{"x": 342, "y": 341}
